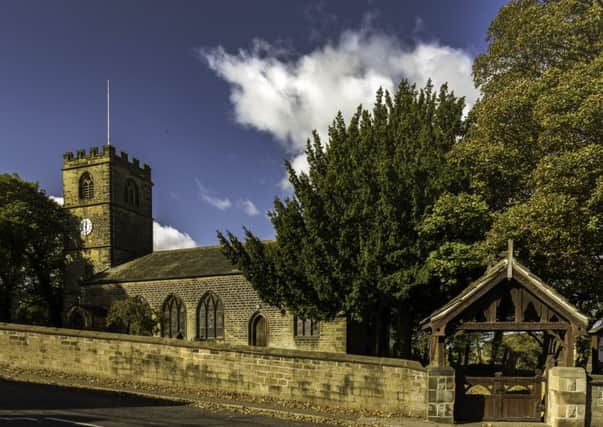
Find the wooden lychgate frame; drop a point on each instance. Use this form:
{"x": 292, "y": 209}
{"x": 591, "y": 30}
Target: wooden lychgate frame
{"x": 530, "y": 304}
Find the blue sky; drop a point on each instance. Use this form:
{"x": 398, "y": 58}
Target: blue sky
{"x": 213, "y": 95}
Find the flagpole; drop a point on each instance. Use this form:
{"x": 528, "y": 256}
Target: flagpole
{"x": 108, "y": 115}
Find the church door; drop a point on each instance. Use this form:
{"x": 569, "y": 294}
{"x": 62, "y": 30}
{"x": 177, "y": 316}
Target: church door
{"x": 258, "y": 331}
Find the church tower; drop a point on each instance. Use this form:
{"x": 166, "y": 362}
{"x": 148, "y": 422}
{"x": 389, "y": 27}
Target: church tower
{"x": 111, "y": 198}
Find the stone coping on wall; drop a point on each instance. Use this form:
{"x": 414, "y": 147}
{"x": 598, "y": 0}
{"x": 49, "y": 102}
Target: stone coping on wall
{"x": 272, "y": 352}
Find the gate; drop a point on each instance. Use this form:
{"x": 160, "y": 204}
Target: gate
{"x": 499, "y": 398}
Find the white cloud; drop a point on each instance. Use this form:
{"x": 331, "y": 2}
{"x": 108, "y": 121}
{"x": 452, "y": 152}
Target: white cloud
{"x": 59, "y": 200}
{"x": 299, "y": 164}
{"x": 216, "y": 202}
{"x": 289, "y": 97}
{"x": 249, "y": 208}
{"x": 167, "y": 237}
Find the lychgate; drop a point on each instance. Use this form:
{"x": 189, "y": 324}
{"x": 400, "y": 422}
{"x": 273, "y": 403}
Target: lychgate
{"x": 507, "y": 302}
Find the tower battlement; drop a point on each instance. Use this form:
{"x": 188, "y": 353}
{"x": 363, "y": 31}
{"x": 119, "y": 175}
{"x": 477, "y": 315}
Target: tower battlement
{"x": 106, "y": 153}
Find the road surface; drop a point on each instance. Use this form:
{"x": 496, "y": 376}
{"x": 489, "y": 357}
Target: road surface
{"x": 25, "y": 404}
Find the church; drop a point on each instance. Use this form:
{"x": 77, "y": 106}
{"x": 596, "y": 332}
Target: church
{"x": 199, "y": 294}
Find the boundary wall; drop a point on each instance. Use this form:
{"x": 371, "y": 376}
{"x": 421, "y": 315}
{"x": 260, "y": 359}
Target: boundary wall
{"x": 327, "y": 379}
{"x": 596, "y": 401}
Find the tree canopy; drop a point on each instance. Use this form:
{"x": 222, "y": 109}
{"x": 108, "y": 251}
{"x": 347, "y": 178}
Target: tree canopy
{"x": 348, "y": 240}
{"x": 33, "y": 233}
{"x": 533, "y": 151}
{"x": 132, "y": 315}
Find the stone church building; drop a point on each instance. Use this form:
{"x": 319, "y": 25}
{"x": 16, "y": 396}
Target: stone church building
{"x": 199, "y": 293}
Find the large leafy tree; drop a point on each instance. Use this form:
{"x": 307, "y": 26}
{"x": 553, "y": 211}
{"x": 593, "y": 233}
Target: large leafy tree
{"x": 33, "y": 233}
{"x": 533, "y": 149}
{"x": 132, "y": 315}
{"x": 349, "y": 239}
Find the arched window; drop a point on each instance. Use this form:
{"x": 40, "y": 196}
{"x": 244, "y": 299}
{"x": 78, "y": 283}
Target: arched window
{"x": 131, "y": 193}
{"x": 173, "y": 323}
{"x": 210, "y": 317}
{"x": 86, "y": 187}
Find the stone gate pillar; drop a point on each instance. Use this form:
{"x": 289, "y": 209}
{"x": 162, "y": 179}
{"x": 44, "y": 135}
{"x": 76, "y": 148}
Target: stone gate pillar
{"x": 566, "y": 397}
{"x": 440, "y": 399}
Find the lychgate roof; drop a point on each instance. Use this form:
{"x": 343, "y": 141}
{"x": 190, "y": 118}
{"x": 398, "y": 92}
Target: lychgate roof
{"x": 504, "y": 271}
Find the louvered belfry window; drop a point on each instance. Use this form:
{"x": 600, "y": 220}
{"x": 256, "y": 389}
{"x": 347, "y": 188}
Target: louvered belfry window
{"x": 131, "y": 193}
{"x": 210, "y": 317}
{"x": 86, "y": 187}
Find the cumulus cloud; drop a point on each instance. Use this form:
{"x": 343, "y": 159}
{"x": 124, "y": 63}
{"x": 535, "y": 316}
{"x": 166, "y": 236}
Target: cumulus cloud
{"x": 58, "y": 199}
{"x": 249, "y": 208}
{"x": 212, "y": 200}
{"x": 290, "y": 96}
{"x": 167, "y": 237}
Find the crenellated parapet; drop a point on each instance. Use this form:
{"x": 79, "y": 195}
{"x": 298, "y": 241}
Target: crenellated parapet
{"x": 107, "y": 153}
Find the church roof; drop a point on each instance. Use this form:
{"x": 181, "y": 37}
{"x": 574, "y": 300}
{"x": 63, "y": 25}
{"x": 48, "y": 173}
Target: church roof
{"x": 173, "y": 264}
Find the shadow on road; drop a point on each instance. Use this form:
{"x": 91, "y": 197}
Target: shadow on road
{"x": 30, "y": 420}
{"x": 26, "y": 396}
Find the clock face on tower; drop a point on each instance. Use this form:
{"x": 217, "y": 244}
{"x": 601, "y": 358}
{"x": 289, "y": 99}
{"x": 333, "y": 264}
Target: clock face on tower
{"x": 86, "y": 226}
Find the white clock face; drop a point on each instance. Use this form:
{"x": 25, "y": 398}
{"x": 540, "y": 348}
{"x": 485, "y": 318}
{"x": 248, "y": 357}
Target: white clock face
{"x": 86, "y": 226}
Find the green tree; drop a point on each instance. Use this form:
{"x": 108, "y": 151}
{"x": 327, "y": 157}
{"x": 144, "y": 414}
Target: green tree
{"x": 33, "y": 233}
{"x": 533, "y": 150}
{"x": 132, "y": 315}
{"x": 349, "y": 240}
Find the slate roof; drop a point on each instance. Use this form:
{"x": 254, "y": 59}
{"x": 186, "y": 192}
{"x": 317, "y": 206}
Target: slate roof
{"x": 173, "y": 264}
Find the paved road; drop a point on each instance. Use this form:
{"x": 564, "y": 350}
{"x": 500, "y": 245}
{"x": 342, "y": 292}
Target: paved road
{"x": 24, "y": 404}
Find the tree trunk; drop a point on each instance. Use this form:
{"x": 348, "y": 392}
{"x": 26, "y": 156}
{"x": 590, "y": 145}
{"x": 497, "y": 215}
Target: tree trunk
{"x": 403, "y": 325}
{"x": 51, "y": 298}
{"x": 5, "y": 303}
{"x": 382, "y": 323}
{"x": 5, "y": 299}
{"x": 496, "y": 342}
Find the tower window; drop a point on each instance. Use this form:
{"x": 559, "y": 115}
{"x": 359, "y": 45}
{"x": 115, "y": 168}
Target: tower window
{"x": 210, "y": 317}
{"x": 86, "y": 187}
{"x": 131, "y": 193}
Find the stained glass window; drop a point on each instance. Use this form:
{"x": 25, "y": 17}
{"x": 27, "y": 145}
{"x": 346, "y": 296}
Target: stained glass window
{"x": 210, "y": 317}
{"x": 173, "y": 323}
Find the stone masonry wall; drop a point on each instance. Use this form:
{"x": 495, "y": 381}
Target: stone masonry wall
{"x": 240, "y": 301}
{"x": 358, "y": 382}
{"x": 596, "y": 401}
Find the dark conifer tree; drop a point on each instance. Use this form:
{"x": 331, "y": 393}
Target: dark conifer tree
{"x": 348, "y": 241}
